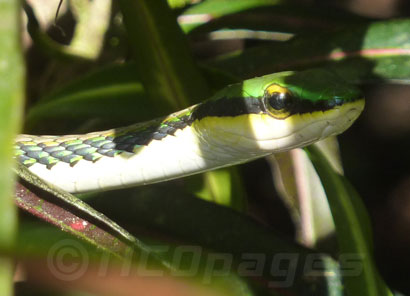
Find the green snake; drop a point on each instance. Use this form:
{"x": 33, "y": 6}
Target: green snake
{"x": 242, "y": 122}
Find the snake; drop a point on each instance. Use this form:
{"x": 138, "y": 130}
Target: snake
{"x": 242, "y": 122}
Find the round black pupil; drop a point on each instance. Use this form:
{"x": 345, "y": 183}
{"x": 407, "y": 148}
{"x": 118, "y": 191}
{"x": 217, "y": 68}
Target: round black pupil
{"x": 279, "y": 101}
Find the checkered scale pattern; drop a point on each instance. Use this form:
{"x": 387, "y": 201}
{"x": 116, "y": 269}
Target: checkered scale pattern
{"x": 50, "y": 150}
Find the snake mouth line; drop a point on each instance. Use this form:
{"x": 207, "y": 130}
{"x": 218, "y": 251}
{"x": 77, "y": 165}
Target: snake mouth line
{"x": 350, "y": 114}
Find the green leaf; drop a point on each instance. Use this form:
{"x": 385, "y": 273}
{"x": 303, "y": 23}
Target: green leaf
{"x": 352, "y": 231}
{"x": 164, "y": 62}
{"x": 213, "y": 9}
{"x": 178, "y": 3}
{"x": 111, "y": 95}
{"x": 168, "y": 210}
{"x": 268, "y": 16}
{"x": 224, "y": 187}
{"x": 363, "y": 53}
{"x": 11, "y": 97}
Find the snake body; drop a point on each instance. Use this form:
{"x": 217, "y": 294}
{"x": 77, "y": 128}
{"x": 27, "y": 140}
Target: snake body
{"x": 242, "y": 122}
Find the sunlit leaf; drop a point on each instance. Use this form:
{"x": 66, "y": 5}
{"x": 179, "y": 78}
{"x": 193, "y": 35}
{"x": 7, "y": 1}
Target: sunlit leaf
{"x": 371, "y": 52}
{"x": 262, "y": 16}
{"x": 352, "y": 231}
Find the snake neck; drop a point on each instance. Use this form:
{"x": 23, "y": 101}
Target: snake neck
{"x": 189, "y": 149}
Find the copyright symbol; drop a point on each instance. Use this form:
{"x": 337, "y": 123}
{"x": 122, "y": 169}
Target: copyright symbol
{"x": 67, "y": 260}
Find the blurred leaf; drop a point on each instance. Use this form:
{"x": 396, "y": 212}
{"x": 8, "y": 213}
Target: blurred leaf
{"x": 178, "y": 3}
{"x": 266, "y": 15}
{"x": 74, "y": 216}
{"x": 92, "y": 20}
{"x": 111, "y": 95}
{"x": 372, "y": 52}
{"x": 224, "y": 187}
{"x": 11, "y": 97}
{"x": 108, "y": 75}
{"x": 64, "y": 218}
{"x": 256, "y": 251}
{"x": 209, "y": 10}
{"x": 32, "y": 200}
{"x": 164, "y": 62}
{"x": 95, "y": 270}
{"x": 47, "y": 44}
{"x": 352, "y": 230}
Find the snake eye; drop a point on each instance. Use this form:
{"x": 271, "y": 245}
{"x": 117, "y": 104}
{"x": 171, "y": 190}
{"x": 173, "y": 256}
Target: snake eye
{"x": 278, "y": 101}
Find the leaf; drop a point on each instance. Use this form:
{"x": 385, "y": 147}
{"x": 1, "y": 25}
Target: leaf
{"x": 63, "y": 261}
{"x": 363, "y": 53}
{"x": 224, "y": 187}
{"x": 91, "y": 24}
{"x": 92, "y": 21}
{"x": 27, "y": 199}
{"x": 170, "y": 211}
{"x": 300, "y": 188}
{"x": 164, "y": 62}
{"x": 47, "y": 44}
{"x": 112, "y": 95}
{"x": 178, "y": 3}
{"x": 74, "y": 216}
{"x": 11, "y": 97}
{"x": 352, "y": 230}
{"x": 67, "y": 221}
{"x": 210, "y": 10}
{"x": 268, "y": 16}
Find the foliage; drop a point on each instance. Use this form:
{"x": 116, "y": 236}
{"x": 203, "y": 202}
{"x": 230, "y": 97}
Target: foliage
{"x": 144, "y": 60}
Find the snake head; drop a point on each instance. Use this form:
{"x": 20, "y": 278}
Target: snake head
{"x": 280, "y": 111}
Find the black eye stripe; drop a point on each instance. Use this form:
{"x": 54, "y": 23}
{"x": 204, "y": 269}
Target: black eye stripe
{"x": 236, "y": 106}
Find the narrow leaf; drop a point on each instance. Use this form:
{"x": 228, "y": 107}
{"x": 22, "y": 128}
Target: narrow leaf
{"x": 11, "y": 97}
{"x": 265, "y": 16}
{"x": 256, "y": 251}
{"x": 352, "y": 230}
{"x": 110, "y": 95}
{"x": 363, "y": 53}
{"x": 164, "y": 62}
